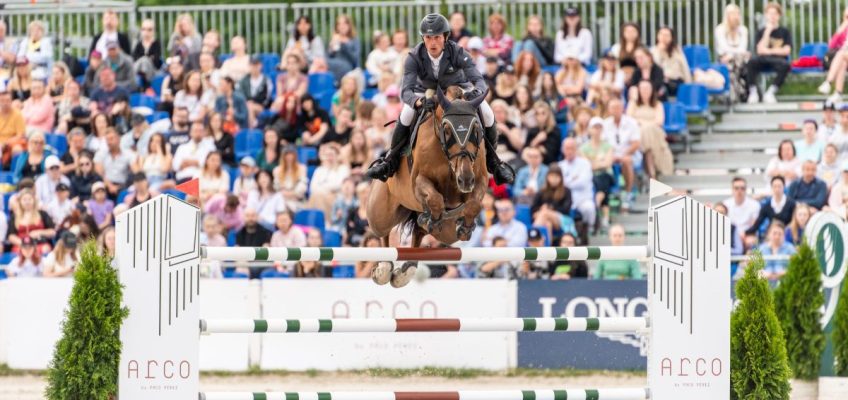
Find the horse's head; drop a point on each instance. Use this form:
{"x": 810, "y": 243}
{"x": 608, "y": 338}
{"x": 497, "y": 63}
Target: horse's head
{"x": 461, "y": 136}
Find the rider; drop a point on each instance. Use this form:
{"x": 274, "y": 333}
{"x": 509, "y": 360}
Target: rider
{"x": 438, "y": 60}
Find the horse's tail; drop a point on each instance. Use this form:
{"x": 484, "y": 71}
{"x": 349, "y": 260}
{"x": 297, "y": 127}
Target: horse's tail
{"x": 408, "y": 225}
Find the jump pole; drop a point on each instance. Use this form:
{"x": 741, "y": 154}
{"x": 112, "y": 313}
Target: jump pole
{"x": 158, "y": 254}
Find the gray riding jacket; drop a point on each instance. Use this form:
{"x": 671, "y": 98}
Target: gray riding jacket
{"x": 455, "y": 68}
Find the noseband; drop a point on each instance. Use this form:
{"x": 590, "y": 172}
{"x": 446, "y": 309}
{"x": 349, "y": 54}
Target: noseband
{"x": 464, "y": 126}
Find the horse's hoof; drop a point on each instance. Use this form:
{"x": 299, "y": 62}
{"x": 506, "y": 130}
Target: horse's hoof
{"x": 401, "y": 276}
{"x": 382, "y": 273}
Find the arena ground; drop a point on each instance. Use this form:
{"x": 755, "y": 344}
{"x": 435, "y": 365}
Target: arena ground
{"x": 31, "y": 387}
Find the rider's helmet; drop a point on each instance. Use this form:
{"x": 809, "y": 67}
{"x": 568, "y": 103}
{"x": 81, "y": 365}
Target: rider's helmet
{"x": 434, "y": 24}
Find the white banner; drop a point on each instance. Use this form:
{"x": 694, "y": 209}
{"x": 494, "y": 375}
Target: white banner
{"x": 307, "y": 298}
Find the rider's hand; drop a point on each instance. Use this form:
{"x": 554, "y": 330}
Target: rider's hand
{"x": 428, "y": 104}
{"x": 472, "y": 94}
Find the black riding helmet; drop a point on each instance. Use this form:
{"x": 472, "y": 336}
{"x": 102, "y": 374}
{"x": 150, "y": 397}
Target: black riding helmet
{"x": 434, "y": 24}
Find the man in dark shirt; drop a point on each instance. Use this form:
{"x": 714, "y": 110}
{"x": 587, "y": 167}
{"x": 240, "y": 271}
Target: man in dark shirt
{"x": 108, "y": 93}
{"x": 253, "y": 235}
{"x": 809, "y": 190}
{"x": 772, "y": 46}
{"x": 179, "y": 129}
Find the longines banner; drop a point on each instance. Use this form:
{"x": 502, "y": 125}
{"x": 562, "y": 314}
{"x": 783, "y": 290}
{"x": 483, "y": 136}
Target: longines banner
{"x": 582, "y": 298}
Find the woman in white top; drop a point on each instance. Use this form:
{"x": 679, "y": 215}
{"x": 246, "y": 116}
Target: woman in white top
{"x": 37, "y": 48}
{"x": 195, "y": 97}
{"x": 156, "y": 164}
{"x": 28, "y": 263}
{"x": 304, "y": 41}
{"x": 785, "y": 163}
{"x": 214, "y": 180}
{"x": 64, "y": 257}
{"x": 607, "y": 81}
{"x": 265, "y": 200}
{"x": 327, "y": 180}
{"x": 184, "y": 40}
{"x": 291, "y": 178}
{"x": 573, "y": 37}
{"x": 383, "y": 58}
{"x": 571, "y": 79}
{"x": 731, "y": 45}
{"x": 836, "y": 72}
{"x": 237, "y": 66}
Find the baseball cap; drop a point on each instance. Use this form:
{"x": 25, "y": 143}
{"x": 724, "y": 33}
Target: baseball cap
{"x": 475, "y": 43}
{"x": 62, "y": 187}
{"x": 99, "y": 185}
{"x": 534, "y": 234}
{"x": 96, "y": 54}
{"x": 52, "y": 161}
{"x": 392, "y": 91}
{"x": 571, "y": 12}
{"x": 596, "y": 121}
{"x": 249, "y": 161}
{"x": 80, "y": 112}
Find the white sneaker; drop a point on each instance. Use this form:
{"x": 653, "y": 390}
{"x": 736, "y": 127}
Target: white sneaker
{"x": 769, "y": 98}
{"x": 824, "y": 88}
{"x": 835, "y": 99}
{"x": 753, "y": 97}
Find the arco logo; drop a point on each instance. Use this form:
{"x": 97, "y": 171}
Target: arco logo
{"x": 827, "y": 232}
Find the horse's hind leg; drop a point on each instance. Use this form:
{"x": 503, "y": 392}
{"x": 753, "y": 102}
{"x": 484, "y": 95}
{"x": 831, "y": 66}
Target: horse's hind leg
{"x": 404, "y": 273}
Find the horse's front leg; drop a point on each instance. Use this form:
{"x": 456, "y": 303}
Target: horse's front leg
{"x": 430, "y": 199}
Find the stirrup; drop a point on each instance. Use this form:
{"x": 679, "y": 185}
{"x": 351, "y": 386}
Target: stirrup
{"x": 380, "y": 169}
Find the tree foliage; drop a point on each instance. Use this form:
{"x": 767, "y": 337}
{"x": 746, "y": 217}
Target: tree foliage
{"x": 840, "y": 332}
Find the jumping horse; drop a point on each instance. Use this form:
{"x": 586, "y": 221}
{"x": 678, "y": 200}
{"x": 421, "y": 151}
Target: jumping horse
{"x": 438, "y": 190}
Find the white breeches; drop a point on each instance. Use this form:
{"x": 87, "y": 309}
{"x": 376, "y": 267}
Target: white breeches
{"x": 408, "y": 113}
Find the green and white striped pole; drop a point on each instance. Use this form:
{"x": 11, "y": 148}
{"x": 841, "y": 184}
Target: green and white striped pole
{"x": 467, "y": 254}
{"x": 550, "y": 394}
{"x": 629, "y": 324}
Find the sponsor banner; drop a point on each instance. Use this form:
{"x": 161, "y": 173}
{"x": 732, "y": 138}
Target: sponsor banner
{"x": 321, "y": 298}
{"x": 582, "y": 350}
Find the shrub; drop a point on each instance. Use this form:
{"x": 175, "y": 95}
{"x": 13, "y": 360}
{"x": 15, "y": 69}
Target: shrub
{"x": 840, "y": 332}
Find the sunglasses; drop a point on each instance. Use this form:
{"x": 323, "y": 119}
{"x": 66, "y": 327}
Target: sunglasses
{"x": 739, "y": 188}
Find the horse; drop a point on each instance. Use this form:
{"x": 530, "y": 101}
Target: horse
{"x": 440, "y": 190}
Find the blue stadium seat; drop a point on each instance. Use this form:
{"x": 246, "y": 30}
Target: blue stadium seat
{"x": 56, "y": 143}
{"x": 817, "y": 50}
{"x": 344, "y": 271}
{"x": 83, "y": 62}
{"x": 523, "y": 215}
{"x": 322, "y": 82}
{"x": 698, "y": 56}
{"x": 231, "y": 238}
{"x": 325, "y": 101}
{"x": 7, "y": 178}
{"x": 3, "y": 274}
{"x": 310, "y": 170}
{"x": 273, "y": 273}
{"x": 551, "y": 69}
{"x": 156, "y": 84}
{"x": 142, "y": 100}
{"x": 157, "y": 115}
{"x": 6, "y": 258}
{"x": 176, "y": 193}
{"x": 306, "y": 153}
{"x": 591, "y": 68}
{"x": 122, "y": 195}
{"x": 248, "y": 142}
{"x": 544, "y": 232}
{"x": 310, "y": 217}
{"x": 332, "y": 239}
{"x": 369, "y": 93}
{"x": 675, "y": 118}
{"x": 693, "y": 97}
{"x": 270, "y": 62}
{"x": 224, "y": 57}
{"x": 232, "y": 274}
{"x": 370, "y": 80}
{"x": 265, "y": 117}
{"x": 234, "y": 172}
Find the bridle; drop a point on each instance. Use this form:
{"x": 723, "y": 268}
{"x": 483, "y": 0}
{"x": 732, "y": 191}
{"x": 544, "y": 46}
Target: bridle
{"x": 464, "y": 123}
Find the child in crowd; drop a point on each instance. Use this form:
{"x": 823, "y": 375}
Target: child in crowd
{"x": 99, "y": 206}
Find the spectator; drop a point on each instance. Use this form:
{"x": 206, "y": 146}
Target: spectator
{"x": 99, "y": 206}
{"x": 498, "y": 269}
{"x": 378, "y": 134}
{"x": 190, "y": 156}
{"x": 237, "y": 66}
{"x": 28, "y": 221}
{"x": 111, "y": 23}
{"x": 347, "y": 97}
{"x": 313, "y": 269}
{"x": 617, "y": 269}
{"x": 506, "y": 84}
{"x": 778, "y": 207}
{"x": 530, "y": 177}
{"x": 458, "y": 31}
{"x": 383, "y": 59}
{"x": 172, "y": 84}
{"x": 600, "y": 155}
{"x": 357, "y": 218}
{"x": 62, "y": 261}
{"x": 184, "y": 40}
{"x": 257, "y": 89}
{"x": 195, "y": 97}
{"x": 114, "y": 164}
{"x": 571, "y": 78}
{"x": 839, "y": 56}
{"x": 313, "y": 121}
{"x": 773, "y": 44}
{"x": 266, "y": 201}
{"x": 246, "y": 178}
{"x": 577, "y": 176}
{"x": 741, "y": 208}
{"x": 565, "y": 270}
{"x": 12, "y": 127}
{"x": 785, "y": 163}
{"x": 61, "y": 205}
{"x": 510, "y": 138}
{"x": 58, "y": 80}
{"x": 669, "y": 56}
{"x": 155, "y": 163}
{"x": 629, "y": 40}
{"x": 214, "y": 180}
{"x": 28, "y": 263}
{"x": 839, "y": 192}
{"x": 8, "y": 52}
{"x": 534, "y": 269}
{"x": 808, "y": 189}
{"x": 209, "y": 71}
{"x": 108, "y": 93}
{"x": 140, "y": 191}
{"x": 623, "y": 133}
{"x": 147, "y": 53}
{"x": 498, "y": 43}
{"x": 552, "y": 204}
{"x": 45, "y": 185}
{"x": 795, "y": 230}
{"x": 21, "y": 83}
{"x": 840, "y": 137}
{"x": 573, "y": 38}
{"x": 607, "y": 82}
{"x": 284, "y": 123}
{"x": 327, "y": 179}
{"x": 649, "y": 114}
{"x": 72, "y": 99}
{"x": 646, "y": 69}
{"x": 106, "y": 242}
{"x": 292, "y": 81}
{"x": 121, "y": 64}
{"x": 210, "y": 44}
{"x": 357, "y": 152}
{"x": 828, "y": 125}
{"x": 550, "y": 94}
{"x": 287, "y": 235}
{"x": 535, "y": 42}
{"x": 346, "y": 201}
{"x": 304, "y": 42}
{"x": 253, "y": 234}
{"x": 226, "y": 210}
{"x": 344, "y": 49}
{"x": 546, "y": 136}
{"x": 731, "y": 46}
{"x": 91, "y": 77}
{"x": 507, "y": 227}
{"x": 269, "y": 157}
{"x": 400, "y": 42}
{"x": 224, "y": 142}
{"x": 232, "y": 105}
{"x": 83, "y": 177}
{"x": 363, "y": 268}
{"x": 37, "y": 48}
{"x": 776, "y": 245}
{"x": 809, "y": 147}
{"x": 31, "y": 162}
{"x": 441, "y": 271}
{"x": 829, "y": 167}
{"x": 138, "y": 138}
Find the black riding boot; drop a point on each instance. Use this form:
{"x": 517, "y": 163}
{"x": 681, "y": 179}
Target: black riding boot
{"x": 385, "y": 167}
{"x": 503, "y": 172}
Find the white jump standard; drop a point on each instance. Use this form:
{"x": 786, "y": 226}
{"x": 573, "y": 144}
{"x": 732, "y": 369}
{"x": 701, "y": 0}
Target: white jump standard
{"x": 688, "y": 323}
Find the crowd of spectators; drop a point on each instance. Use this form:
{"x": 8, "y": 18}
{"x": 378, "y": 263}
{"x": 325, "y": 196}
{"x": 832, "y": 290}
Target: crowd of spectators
{"x": 580, "y": 128}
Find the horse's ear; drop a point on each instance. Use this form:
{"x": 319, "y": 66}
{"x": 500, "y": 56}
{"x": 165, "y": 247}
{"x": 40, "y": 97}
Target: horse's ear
{"x": 442, "y": 100}
{"x": 479, "y": 99}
